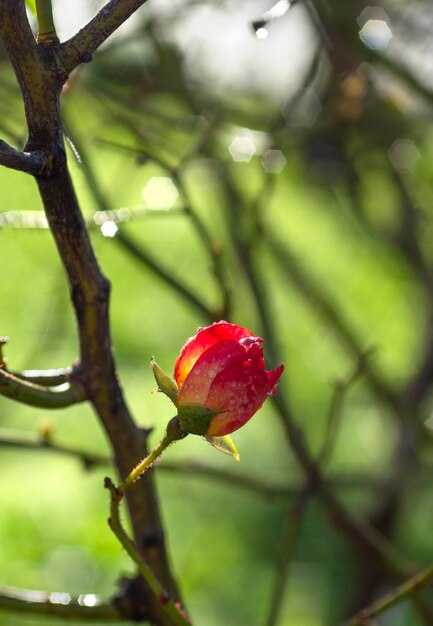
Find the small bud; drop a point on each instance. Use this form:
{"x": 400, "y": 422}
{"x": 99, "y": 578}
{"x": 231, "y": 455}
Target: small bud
{"x": 164, "y": 382}
{"x": 174, "y": 430}
{"x": 45, "y": 429}
{"x": 3, "y": 341}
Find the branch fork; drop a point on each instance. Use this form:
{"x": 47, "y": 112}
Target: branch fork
{"x": 35, "y": 162}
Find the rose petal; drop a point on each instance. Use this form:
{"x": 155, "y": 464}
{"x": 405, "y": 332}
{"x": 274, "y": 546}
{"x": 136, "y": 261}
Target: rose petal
{"x": 273, "y": 378}
{"x": 239, "y": 391}
{"x": 197, "y": 384}
{"x": 254, "y": 351}
{"x": 204, "y": 339}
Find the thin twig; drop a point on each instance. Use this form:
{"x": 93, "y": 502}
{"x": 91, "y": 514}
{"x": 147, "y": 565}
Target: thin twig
{"x": 40, "y": 442}
{"x": 170, "y": 608}
{"x": 403, "y": 592}
{"x": 125, "y": 241}
{"x": 43, "y": 442}
{"x": 291, "y": 531}
{"x": 36, "y": 220}
{"x": 358, "y": 530}
{"x": 296, "y": 512}
{"x": 341, "y": 387}
{"x": 38, "y": 395}
{"x": 212, "y": 249}
{"x": 85, "y": 608}
{"x": 322, "y": 304}
{"x": 401, "y": 72}
{"x": 46, "y": 378}
{"x": 46, "y": 31}
{"x": 233, "y": 478}
{"x": 80, "y": 48}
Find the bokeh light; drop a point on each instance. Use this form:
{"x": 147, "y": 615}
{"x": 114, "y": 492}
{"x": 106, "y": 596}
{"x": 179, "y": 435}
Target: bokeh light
{"x": 247, "y": 143}
{"x": 273, "y": 161}
{"x": 404, "y": 155}
{"x": 375, "y": 32}
{"x": 160, "y": 193}
{"x": 109, "y": 228}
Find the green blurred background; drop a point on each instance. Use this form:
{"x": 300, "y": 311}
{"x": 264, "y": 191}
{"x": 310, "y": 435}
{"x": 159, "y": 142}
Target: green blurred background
{"x": 334, "y": 165}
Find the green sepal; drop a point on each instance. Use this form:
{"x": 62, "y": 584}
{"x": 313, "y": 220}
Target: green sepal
{"x": 165, "y": 383}
{"x": 195, "y": 419}
{"x": 31, "y": 5}
{"x": 225, "y": 444}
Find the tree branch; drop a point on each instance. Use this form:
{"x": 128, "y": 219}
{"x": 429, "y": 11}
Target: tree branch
{"x": 321, "y": 303}
{"x": 35, "y": 163}
{"x": 85, "y": 608}
{"x": 403, "y": 592}
{"x": 333, "y": 420}
{"x": 359, "y": 531}
{"x": 128, "y": 244}
{"x": 295, "y": 516}
{"x": 46, "y": 378}
{"x": 90, "y": 295}
{"x": 38, "y": 395}
{"x": 41, "y": 443}
{"x": 80, "y": 48}
{"x": 41, "y": 75}
{"x": 125, "y": 241}
{"x": 232, "y": 478}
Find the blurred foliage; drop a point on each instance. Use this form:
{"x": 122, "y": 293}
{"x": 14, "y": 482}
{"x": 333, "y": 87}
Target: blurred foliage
{"x": 314, "y": 215}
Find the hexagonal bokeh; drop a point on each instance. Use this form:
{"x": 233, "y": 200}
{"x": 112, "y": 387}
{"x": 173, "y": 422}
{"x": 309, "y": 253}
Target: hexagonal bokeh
{"x": 109, "y": 228}
{"x": 247, "y": 143}
{"x": 372, "y": 13}
{"x": 242, "y": 148}
{"x": 404, "y": 155}
{"x": 273, "y": 161}
{"x": 160, "y": 193}
{"x": 375, "y": 31}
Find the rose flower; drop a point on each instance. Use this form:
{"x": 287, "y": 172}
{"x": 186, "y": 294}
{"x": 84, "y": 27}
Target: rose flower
{"x": 221, "y": 379}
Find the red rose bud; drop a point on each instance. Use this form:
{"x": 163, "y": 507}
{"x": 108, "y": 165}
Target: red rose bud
{"x": 221, "y": 379}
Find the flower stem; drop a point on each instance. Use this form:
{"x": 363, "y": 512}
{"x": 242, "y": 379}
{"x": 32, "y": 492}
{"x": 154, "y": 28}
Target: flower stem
{"x": 174, "y": 433}
{"x": 172, "y": 609}
{"x": 169, "y": 607}
{"x": 144, "y": 465}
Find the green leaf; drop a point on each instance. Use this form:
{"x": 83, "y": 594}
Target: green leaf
{"x": 31, "y": 5}
{"x": 225, "y": 444}
{"x": 165, "y": 383}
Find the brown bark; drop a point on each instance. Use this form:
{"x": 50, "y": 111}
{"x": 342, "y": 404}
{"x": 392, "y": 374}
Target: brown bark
{"x": 41, "y": 77}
